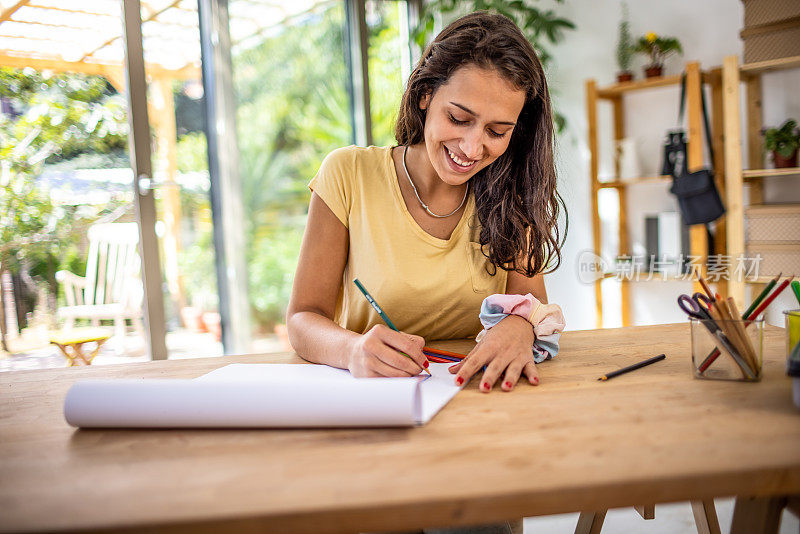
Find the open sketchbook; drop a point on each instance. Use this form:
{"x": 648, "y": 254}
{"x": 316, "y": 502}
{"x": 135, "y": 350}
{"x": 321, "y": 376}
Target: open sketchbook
{"x": 262, "y": 396}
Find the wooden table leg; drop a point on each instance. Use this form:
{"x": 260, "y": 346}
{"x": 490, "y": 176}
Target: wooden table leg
{"x": 73, "y": 352}
{"x": 590, "y": 522}
{"x": 793, "y": 504}
{"x": 647, "y": 511}
{"x": 705, "y": 517}
{"x": 63, "y": 348}
{"x": 757, "y": 515}
{"x": 77, "y": 350}
{"x": 99, "y": 343}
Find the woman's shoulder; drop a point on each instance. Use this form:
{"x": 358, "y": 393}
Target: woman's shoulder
{"x": 352, "y": 154}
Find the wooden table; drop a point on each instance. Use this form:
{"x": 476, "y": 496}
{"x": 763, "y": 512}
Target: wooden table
{"x": 570, "y": 444}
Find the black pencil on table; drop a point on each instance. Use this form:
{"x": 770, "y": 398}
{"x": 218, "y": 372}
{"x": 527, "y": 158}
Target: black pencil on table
{"x": 633, "y": 367}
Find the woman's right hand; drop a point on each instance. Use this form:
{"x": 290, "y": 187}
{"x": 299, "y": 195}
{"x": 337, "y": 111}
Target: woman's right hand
{"x": 379, "y": 353}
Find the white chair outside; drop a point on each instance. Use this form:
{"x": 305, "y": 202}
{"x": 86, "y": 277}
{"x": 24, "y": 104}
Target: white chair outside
{"x": 111, "y": 289}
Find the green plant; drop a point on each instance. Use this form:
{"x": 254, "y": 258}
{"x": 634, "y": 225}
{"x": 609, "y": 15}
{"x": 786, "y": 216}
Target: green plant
{"x": 657, "y": 48}
{"x": 624, "y": 42}
{"x": 783, "y": 140}
{"x": 539, "y": 26}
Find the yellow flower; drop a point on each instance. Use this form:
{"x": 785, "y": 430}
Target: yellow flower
{"x": 651, "y": 37}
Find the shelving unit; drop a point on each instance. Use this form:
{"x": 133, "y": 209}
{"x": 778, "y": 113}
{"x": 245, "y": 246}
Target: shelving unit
{"x": 615, "y": 94}
{"x": 733, "y": 74}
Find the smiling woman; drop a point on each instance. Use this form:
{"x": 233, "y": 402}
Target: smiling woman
{"x": 463, "y": 208}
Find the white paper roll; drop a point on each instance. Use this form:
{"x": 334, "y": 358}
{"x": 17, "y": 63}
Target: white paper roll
{"x": 170, "y": 403}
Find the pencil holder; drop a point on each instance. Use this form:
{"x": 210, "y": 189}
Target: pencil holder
{"x": 792, "y": 324}
{"x": 792, "y": 320}
{"x": 727, "y": 350}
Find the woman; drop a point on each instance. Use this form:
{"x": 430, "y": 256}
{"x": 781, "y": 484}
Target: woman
{"x": 463, "y": 208}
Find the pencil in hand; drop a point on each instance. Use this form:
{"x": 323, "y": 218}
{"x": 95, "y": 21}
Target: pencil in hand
{"x": 382, "y": 315}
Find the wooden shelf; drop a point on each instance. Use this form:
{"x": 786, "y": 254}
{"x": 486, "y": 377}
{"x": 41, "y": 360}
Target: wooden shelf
{"x": 734, "y": 138}
{"x": 634, "y": 181}
{"x": 763, "y": 173}
{"x": 773, "y": 64}
{"x": 616, "y": 90}
{"x": 613, "y": 95}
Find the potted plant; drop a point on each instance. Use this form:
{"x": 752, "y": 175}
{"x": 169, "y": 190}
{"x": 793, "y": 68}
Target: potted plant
{"x": 625, "y": 48}
{"x": 657, "y": 49}
{"x": 783, "y": 142}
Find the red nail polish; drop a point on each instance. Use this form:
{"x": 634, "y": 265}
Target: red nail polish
{"x": 508, "y": 384}
{"x": 486, "y": 386}
{"x": 425, "y": 363}
{"x": 536, "y": 380}
{"x": 459, "y": 381}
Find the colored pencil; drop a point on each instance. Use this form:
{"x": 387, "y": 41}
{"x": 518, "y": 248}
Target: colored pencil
{"x": 728, "y": 324}
{"x": 444, "y": 353}
{"x": 750, "y": 351}
{"x": 440, "y": 359}
{"x": 633, "y": 367}
{"x": 761, "y": 296}
{"x": 705, "y": 286}
{"x": 796, "y": 289}
{"x": 767, "y": 301}
{"x": 383, "y": 316}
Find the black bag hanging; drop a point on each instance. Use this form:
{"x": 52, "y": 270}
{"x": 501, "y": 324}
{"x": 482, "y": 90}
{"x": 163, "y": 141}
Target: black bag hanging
{"x": 697, "y": 194}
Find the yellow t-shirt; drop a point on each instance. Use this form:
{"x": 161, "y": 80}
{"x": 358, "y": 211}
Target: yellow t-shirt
{"x": 427, "y": 286}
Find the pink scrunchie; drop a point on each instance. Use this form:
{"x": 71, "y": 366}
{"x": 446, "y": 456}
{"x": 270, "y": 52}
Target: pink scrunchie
{"x": 546, "y": 319}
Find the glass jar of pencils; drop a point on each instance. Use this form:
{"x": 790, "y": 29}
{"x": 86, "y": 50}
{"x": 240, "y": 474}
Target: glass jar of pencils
{"x": 727, "y": 350}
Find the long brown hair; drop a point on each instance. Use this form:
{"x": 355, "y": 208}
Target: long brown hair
{"x": 515, "y": 197}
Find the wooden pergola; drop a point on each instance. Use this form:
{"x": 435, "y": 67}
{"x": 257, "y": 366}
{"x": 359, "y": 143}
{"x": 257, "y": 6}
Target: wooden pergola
{"x": 86, "y": 36}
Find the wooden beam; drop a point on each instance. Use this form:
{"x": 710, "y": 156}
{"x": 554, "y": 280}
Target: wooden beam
{"x": 705, "y": 517}
{"x": 647, "y": 511}
{"x": 594, "y": 189}
{"x": 622, "y": 193}
{"x": 141, "y": 163}
{"x": 148, "y": 19}
{"x": 755, "y": 146}
{"x": 734, "y": 186}
{"x": 187, "y": 72}
{"x": 698, "y": 234}
{"x": 757, "y": 514}
{"x": 718, "y": 165}
{"x": 626, "y": 87}
{"x": 590, "y": 522}
{"x": 6, "y": 15}
{"x": 79, "y": 11}
{"x": 88, "y": 28}
{"x": 162, "y": 120}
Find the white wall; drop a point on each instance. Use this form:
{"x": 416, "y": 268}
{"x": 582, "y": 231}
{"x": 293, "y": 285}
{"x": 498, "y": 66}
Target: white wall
{"x": 708, "y": 31}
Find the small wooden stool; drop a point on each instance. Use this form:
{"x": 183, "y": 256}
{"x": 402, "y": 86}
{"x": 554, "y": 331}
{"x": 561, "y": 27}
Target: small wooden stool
{"x": 71, "y": 343}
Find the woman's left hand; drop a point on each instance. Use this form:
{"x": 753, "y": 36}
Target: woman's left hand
{"x": 507, "y": 352}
